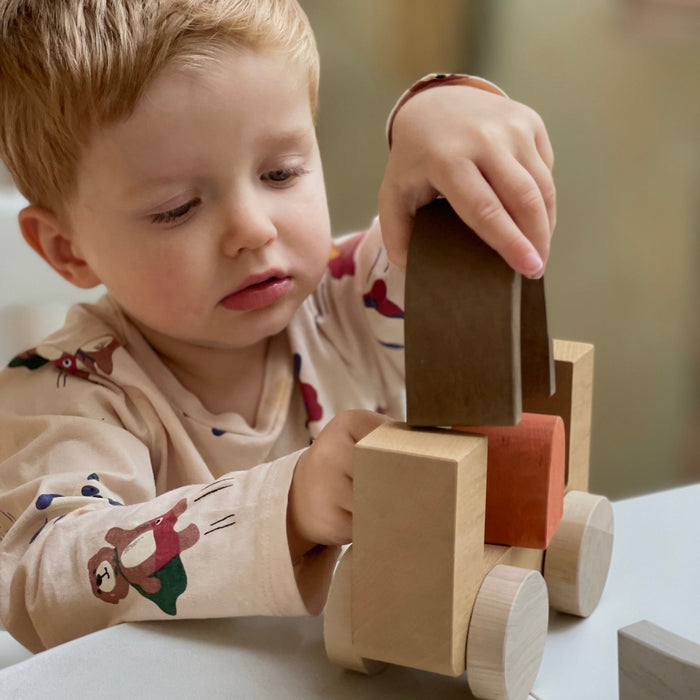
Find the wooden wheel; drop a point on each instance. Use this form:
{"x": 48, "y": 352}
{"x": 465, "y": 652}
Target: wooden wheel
{"x": 337, "y": 623}
{"x": 577, "y": 560}
{"x": 507, "y": 632}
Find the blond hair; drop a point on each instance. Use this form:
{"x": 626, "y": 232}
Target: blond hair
{"x": 68, "y": 66}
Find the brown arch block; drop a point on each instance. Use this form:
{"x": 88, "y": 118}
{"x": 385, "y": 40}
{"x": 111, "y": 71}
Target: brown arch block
{"x": 476, "y": 335}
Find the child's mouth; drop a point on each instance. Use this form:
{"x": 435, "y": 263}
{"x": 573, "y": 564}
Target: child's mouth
{"x": 258, "y": 292}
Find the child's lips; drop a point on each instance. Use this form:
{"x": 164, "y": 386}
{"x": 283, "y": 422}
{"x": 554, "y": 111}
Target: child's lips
{"x": 258, "y": 291}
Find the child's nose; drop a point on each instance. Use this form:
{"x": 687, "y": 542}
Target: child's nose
{"x": 248, "y": 226}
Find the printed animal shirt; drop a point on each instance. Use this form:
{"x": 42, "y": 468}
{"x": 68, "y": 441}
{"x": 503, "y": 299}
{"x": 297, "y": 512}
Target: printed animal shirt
{"x": 123, "y": 498}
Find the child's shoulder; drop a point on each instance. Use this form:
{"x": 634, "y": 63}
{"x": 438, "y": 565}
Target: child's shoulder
{"x": 83, "y": 348}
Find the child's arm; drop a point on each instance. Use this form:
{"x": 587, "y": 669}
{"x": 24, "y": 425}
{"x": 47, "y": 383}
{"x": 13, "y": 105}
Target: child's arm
{"x": 92, "y": 532}
{"x": 488, "y": 155}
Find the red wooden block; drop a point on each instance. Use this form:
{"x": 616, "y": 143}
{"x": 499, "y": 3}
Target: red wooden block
{"x": 525, "y": 480}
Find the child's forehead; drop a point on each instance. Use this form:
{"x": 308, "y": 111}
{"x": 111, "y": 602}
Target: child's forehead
{"x": 227, "y": 62}
{"x": 245, "y": 84}
{"x": 191, "y": 120}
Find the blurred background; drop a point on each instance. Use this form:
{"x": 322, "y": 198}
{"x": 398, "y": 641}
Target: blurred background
{"x": 618, "y": 85}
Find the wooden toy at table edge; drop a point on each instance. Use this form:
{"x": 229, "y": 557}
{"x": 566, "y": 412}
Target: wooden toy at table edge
{"x": 420, "y": 588}
{"x": 425, "y": 591}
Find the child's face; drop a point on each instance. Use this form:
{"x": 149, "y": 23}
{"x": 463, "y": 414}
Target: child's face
{"x": 205, "y": 213}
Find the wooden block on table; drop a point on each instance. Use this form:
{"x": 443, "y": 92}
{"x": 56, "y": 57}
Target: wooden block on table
{"x": 418, "y": 545}
{"x": 337, "y": 622}
{"x": 462, "y": 326}
{"x": 654, "y": 663}
{"x": 573, "y": 401}
{"x": 525, "y": 480}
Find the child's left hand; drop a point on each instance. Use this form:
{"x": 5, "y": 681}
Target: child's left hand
{"x": 489, "y": 156}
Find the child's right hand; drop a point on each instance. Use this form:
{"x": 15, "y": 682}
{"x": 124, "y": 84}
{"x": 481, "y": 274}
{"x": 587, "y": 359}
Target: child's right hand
{"x": 319, "y": 510}
{"x": 489, "y": 156}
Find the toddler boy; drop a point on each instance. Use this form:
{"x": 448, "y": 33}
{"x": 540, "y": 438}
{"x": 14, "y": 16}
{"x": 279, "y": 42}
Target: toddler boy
{"x": 183, "y": 446}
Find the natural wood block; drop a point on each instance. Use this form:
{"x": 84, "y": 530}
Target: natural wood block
{"x": 525, "y": 480}
{"x": 577, "y": 560}
{"x": 507, "y": 634}
{"x": 654, "y": 663}
{"x": 337, "y": 622}
{"x": 462, "y": 326}
{"x": 514, "y": 556}
{"x": 418, "y": 544}
{"x": 573, "y": 401}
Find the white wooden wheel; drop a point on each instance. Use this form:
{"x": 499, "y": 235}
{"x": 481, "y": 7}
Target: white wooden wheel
{"x": 577, "y": 561}
{"x": 507, "y": 632}
{"x": 337, "y": 622}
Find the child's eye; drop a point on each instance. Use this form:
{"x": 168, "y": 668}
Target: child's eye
{"x": 283, "y": 175}
{"x": 166, "y": 217}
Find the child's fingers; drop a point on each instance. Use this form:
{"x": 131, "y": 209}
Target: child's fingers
{"x": 544, "y": 145}
{"x": 344, "y": 498}
{"x": 342, "y": 526}
{"x": 522, "y": 197}
{"x": 396, "y": 221}
{"x": 478, "y": 204}
{"x": 539, "y": 163}
{"x": 542, "y": 174}
{"x": 359, "y": 423}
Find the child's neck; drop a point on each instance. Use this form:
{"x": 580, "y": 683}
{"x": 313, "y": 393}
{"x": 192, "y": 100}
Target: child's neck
{"x": 229, "y": 384}
{"x": 225, "y": 381}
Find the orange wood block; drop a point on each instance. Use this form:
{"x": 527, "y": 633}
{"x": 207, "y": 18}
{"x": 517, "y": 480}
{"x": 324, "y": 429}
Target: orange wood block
{"x": 525, "y": 480}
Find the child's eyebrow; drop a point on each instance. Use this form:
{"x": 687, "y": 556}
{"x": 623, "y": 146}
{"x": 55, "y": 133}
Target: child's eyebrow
{"x": 302, "y": 135}
{"x": 298, "y": 138}
{"x": 147, "y": 183}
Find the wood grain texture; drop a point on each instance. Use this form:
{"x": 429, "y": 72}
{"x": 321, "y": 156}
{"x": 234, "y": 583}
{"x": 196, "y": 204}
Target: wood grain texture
{"x": 577, "y": 560}
{"x": 462, "y": 326}
{"x": 507, "y": 634}
{"x": 536, "y": 351}
{"x": 418, "y": 544}
{"x": 337, "y": 622}
{"x": 573, "y": 401}
{"x": 655, "y": 664}
{"x": 476, "y": 333}
{"x": 525, "y": 480}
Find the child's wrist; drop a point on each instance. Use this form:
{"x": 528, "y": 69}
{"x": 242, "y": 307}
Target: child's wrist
{"x": 436, "y": 80}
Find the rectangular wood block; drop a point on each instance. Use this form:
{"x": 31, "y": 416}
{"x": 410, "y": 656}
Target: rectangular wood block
{"x": 654, "y": 663}
{"x": 525, "y": 480}
{"x": 462, "y": 326}
{"x": 512, "y": 556}
{"x": 573, "y": 401}
{"x": 418, "y": 545}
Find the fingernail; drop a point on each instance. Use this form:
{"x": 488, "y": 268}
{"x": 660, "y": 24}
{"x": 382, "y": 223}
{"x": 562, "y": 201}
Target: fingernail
{"x": 533, "y": 267}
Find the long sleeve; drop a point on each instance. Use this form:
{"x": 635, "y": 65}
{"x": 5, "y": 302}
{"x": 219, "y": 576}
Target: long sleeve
{"x": 92, "y": 534}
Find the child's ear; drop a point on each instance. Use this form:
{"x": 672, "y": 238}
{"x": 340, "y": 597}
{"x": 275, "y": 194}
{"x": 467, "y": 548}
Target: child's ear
{"x": 52, "y": 239}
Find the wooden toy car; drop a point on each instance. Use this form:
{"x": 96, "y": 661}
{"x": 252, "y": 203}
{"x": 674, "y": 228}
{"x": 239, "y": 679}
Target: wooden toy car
{"x": 424, "y": 585}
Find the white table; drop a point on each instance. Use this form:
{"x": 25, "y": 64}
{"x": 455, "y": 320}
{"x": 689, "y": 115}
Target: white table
{"x": 655, "y": 575}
